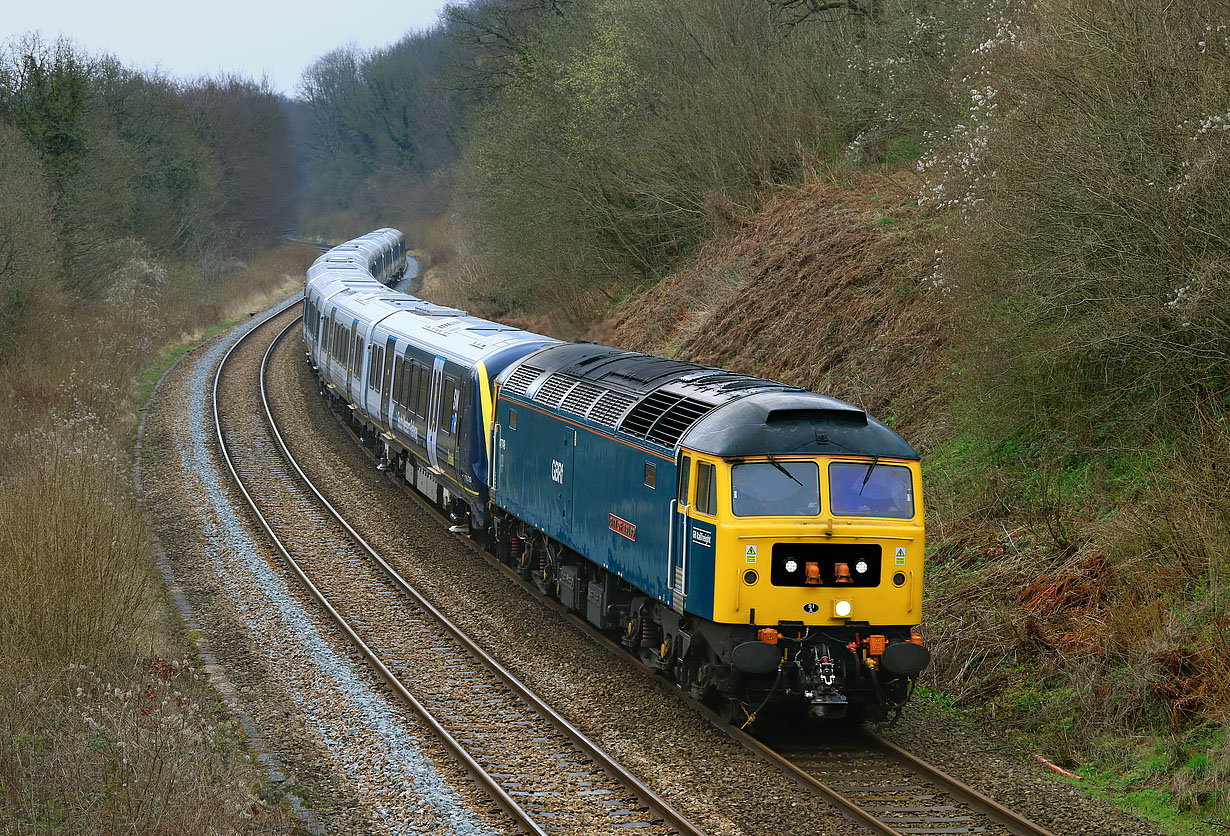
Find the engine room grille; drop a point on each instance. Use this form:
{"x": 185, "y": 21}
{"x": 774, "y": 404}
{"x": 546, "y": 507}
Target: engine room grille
{"x": 664, "y": 418}
{"x": 648, "y": 411}
{"x": 610, "y": 407}
{"x": 675, "y": 421}
{"x": 553, "y": 391}
{"x": 581, "y": 398}
{"x": 520, "y": 380}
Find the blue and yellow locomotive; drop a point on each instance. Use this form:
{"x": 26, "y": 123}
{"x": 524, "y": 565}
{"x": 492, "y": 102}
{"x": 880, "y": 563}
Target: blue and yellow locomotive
{"x": 760, "y": 544}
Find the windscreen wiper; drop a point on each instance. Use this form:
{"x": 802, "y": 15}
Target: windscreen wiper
{"x": 789, "y": 475}
{"x": 870, "y": 468}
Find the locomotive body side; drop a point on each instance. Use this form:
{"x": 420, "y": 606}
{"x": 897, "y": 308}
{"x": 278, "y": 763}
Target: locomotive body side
{"x": 711, "y": 519}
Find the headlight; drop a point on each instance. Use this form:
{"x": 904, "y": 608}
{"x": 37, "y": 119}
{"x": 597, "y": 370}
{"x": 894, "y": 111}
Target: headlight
{"x": 861, "y": 567}
{"x": 842, "y": 608}
{"x": 792, "y": 566}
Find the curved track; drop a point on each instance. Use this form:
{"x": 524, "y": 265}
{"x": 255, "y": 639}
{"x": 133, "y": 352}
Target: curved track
{"x": 539, "y": 769}
{"x": 869, "y": 779}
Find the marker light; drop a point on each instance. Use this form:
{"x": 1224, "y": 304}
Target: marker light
{"x": 861, "y": 567}
{"x": 841, "y": 608}
{"x": 792, "y": 566}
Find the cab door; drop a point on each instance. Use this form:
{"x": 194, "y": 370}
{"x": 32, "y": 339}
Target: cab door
{"x": 681, "y": 535}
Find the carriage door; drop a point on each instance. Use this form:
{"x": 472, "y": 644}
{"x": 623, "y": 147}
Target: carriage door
{"x": 329, "y": 335}
{"x": 681, "y": 535}
{"x": 355, "y": 370}
{"x": 433, "y": 410}
{"x": 386, "y": 379}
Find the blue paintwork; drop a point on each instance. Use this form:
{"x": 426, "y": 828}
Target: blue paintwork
{"x": 597, "y": 475}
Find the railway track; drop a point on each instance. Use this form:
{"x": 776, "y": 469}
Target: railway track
{"x": 869, "y": 779}
{"x": 539, "y": 769}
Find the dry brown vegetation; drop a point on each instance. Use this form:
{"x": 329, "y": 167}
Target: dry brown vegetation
{"x": 82, "y": 606}
{"x": 823, "y": 288}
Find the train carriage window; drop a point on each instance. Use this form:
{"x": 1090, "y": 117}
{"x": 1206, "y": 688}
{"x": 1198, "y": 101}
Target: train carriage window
{"x": 397, "y": 361}
{"x": 706, "y": 488}
{"x": 406, "y": 400}
{"x": 448, "y": 408}
{"x": 424, "y": 385}
{"x": 373, "y": 371}
{"x": 685, "y": 473}
{"x": 416, "y": 383}
{"x": 651, "y": 475}
{"x": 358, "y": 355}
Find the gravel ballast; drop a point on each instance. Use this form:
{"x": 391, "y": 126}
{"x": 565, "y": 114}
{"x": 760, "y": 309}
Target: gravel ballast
{"x": 360, "y": 762}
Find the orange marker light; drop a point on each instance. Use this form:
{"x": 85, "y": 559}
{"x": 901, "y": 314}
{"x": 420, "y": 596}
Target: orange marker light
{"x": 811, "y": 574}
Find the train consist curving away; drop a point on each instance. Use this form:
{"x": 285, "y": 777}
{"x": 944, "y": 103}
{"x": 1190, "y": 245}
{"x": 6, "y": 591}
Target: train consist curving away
{"x": 759, "y": 544}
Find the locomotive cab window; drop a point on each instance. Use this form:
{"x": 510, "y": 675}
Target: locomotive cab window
{"x": 871, "y": 489}
{"x": 775, "y": 489}
{"x": 706, "y": 489}
{"x": 651, "y": 475}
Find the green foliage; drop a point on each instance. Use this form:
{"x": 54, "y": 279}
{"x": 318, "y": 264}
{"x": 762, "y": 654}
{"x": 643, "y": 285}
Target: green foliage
{"x": 1094, "y": 259}
{"x": 378, "y": 132}
{"x": 192, "y": 171}
{"x": 27, "y": 234}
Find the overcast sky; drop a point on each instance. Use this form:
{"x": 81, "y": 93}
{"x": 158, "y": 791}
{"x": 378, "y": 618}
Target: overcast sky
{"x": 252, "y": 37}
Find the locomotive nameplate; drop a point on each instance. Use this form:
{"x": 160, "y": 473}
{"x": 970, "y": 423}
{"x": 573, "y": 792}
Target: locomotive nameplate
{"x": 623, "y": 527}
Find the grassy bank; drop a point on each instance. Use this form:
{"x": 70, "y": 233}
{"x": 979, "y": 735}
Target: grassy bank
{"x": 106, "y": 725}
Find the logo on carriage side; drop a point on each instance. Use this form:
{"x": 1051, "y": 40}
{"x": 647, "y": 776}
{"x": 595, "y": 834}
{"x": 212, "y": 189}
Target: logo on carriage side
{"x": 810, "y": 607}
{"x": 623, "y": 527}
{"x": 702, "y": 536}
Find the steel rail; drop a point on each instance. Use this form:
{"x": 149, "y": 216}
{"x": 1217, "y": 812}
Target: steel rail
{"x": 481, "y": 777}
{"x": 1013, "y": 822}
{"x": 654, "y": 802}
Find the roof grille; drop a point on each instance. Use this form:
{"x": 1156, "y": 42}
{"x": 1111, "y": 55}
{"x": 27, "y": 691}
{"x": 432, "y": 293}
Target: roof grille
{"x": 647, "y": 412}
{"x": 677, "y": 420}
{"x": 664, "y": 418}
{"x": 581, "y": 398}
{"x": 520, "y": 380}
{"x": 610, "y": 407}
{"x": 435, "y": 310}
{"x": 553, "y": 391}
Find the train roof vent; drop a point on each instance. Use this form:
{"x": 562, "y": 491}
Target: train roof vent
{"x": 436, "y": 310}
{"x": 581, "y": 398}
{"x": 647, "y": 412}
{"x": 519, "y": 381}
{"x": 552, "y": 392}
{"x": 673, "y": 423}
{"x": 610, "y": 408}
